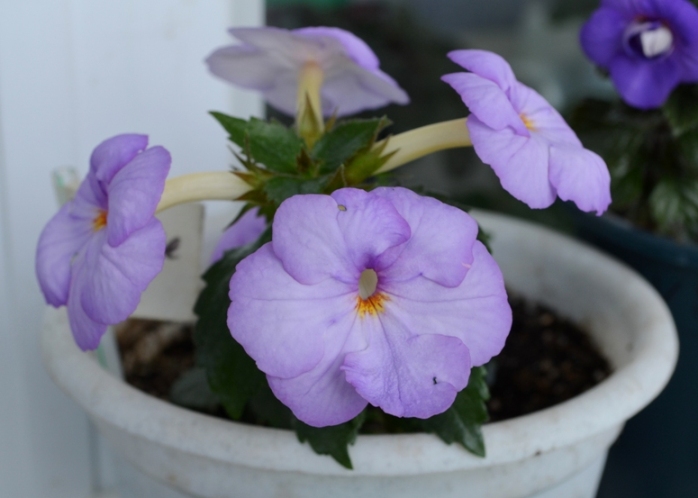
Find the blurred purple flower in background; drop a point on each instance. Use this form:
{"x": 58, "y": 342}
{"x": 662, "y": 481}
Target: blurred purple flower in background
{"x": 648, "y": 47}
{"x": 270, "y": 59}
{"x": 244, "y": 231}
{"x": 381, "y": 297}
{"x": 530, "y": 147}
{"x": 101, "y": 250}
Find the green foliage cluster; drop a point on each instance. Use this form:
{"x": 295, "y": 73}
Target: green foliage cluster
{"x": 652, "y": 157}
{"x": 278, "y": 163}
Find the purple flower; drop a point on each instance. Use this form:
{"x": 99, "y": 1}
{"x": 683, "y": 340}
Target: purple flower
{"x": 530, "y": 147}
{"x": 244, "y": 231}
{"x": 648, "y": 46}
{"x": 102, "y": 249}
{"x": 270, "y": 59}
{"x": 381, "y": 297}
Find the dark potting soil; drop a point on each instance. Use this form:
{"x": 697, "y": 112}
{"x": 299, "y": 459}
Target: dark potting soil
{"x": 546, "y": 360}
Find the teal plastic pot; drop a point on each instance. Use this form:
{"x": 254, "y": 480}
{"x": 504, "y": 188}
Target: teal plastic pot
{"x": 657, "y": 454}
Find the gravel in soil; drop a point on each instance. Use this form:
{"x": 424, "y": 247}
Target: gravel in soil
{"x": 546, "y": 360}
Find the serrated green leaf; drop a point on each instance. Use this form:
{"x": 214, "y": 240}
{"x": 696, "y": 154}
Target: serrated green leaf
{"x": 274, "y": 145}
{"x": 333, "y": 440}
{"x": 681, "y": 110}
{"x": 346, "y": 139}
{"x": 364, "y": 165}
{"x": 281, "y": 188}
{"x": 268, "y": 143}
{"x": 462, "y": 422}
{"x": 232, "y": 375}
{"x": 192, "y": 391}
{"x": 236, "y": 127}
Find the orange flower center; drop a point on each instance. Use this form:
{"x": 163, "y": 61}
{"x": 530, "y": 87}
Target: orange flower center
{"x": 528, "y": 123}
{"x": 100, "y": 221}
{"x": 369, "y": 301}
{"x": 372, "y": 305}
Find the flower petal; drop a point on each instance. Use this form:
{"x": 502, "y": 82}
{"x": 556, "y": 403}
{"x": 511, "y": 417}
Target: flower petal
{"x": 115, "y": 277}
{"x": 630, "y": 9}
{"x": 245, "y": 230}
{"x": 581, "y": 176}
{"x": 680, "y": 15}
{"x": 350, "y": 89}
{"x": 369, "y": 224}
{"x": 315, "y": 239}
{"x": 246, "y": 66}
{"x": 408, "y": 375}
{"x": 354, "y": 47}
{"x": 134, "y": 193}
{"x": 601, "y": 36}
{"x": 521, "y": 163}
{"x": 322, "y": 396}
{"x": 645, "y": 84}
{"x": 477, "y": 312}
{"x": 86, "y": 331}
{"x": 486, "y": 101}
{"x": 486, "y": 64}
{"x": 440, "y": 247}
{"x": 543, "y": 119}
{"x": 59, "y": 242}
{"x": 114, "y": 153}
{"x": 284, "y": 325}
{"x": 270, "y": 60}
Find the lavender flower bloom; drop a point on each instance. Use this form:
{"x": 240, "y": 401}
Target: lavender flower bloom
{"x": 102, "y": 249}
{"x": 381, "y": 297}
{"x": 270, "y": 59}
{"x": 648, "y": 46}
{"x": 244, "y": 231}
{"x": 530, "y": 147}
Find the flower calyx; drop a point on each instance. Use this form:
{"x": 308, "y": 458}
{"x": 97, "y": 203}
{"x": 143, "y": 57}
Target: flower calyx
{"x": 279, "y": 162}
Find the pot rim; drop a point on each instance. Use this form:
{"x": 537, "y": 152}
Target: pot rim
{"x": 604, "y": 407}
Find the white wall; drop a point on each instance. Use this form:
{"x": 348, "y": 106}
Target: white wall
{"x": 72, "y": 73}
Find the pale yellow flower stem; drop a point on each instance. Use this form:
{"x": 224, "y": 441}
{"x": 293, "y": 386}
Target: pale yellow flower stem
{"x": 408, "y": 146}
{"x": 222, "y": 185}
{"x": 422, "y": 141}
{"x": 310, "y": 82}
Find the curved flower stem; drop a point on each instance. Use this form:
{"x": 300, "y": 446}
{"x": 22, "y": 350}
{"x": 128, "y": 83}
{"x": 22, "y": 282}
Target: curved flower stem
{"x": 408, "y": 146}
{"x": 422, "y": 141}
{"x": 221, "y": 185}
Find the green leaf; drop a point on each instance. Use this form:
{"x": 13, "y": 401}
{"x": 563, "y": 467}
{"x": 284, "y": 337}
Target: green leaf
{"x": 232, "y": 375}
{"x": 687, "y": 145}
{"x": 364, "y": 165}
{"x": 674, "y": 206}
{"x": 192, "y": 391}
{"x": 346, "y": 139}
{"x": 461, "y": 423}
{"x": 281, "y": 188}
{"x": 272, "y": 144}
{"x": 236, "y": 127}
{"x": 681, "y": 109}
{"x": 265, "y": 408}
{"x": 333, "y": 440}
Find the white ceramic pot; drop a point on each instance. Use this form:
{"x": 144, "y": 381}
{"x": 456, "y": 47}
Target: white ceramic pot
{"x": 554, "y": 453}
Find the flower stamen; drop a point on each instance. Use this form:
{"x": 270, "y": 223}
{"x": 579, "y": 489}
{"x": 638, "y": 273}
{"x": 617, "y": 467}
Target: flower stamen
{"x": 99, "y": 221}
{"x": 649, "y": 39}
{"x": 528, "y": 122}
